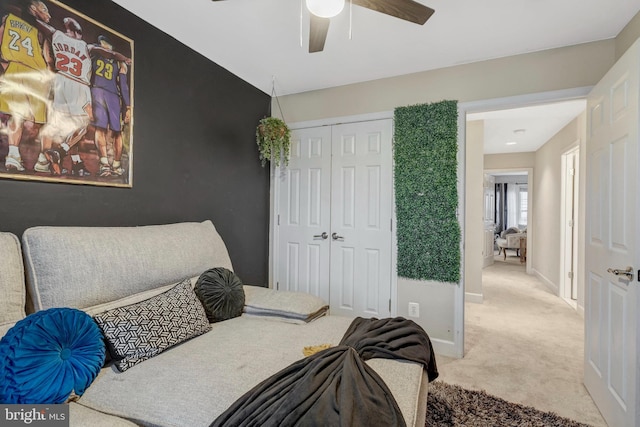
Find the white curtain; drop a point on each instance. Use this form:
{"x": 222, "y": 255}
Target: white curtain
{"x": 512, "y": 205}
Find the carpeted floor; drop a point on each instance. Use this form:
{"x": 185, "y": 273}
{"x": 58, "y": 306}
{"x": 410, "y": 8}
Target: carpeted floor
{"x": 523, "y": 344}
{"x": 453, "y": 406}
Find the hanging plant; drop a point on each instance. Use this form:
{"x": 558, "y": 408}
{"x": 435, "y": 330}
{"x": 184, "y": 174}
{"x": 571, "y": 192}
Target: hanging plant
{"x": 274, "y": 141}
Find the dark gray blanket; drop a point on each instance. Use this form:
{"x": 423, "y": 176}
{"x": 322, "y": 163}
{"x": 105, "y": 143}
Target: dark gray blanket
{"x": 335, "y": 387}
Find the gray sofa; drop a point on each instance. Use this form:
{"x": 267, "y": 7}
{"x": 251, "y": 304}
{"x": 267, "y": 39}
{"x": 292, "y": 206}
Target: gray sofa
{"x": 100, "y": 268}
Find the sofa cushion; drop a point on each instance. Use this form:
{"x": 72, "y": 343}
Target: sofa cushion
{"x": 286, "y": 306}
{"x": 221, "y": 294}
{"x": 62, "y": 262}
{"x": 48, "y": 355}
{"x": 143, "y": 330}
{"x": 222, "y": 365}
{"x": 12, "y": 287}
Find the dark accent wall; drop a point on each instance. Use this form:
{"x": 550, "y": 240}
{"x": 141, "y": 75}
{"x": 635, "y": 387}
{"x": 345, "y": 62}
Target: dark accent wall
{"x": 194, "y": 152}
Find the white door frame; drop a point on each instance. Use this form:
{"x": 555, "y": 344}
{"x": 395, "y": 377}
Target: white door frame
{"x": 488, "y": 221}
{"x": 274, "y": 197}
{"x": 563, "y": 291}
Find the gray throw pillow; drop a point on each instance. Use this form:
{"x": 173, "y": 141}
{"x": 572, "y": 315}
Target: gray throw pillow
{"x": 221, "y": 293}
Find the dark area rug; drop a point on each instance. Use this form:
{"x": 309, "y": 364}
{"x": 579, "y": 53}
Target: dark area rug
{"x": 450, "y": 405}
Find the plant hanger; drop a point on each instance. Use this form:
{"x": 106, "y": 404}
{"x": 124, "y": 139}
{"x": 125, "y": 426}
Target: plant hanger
{"x": 273, "y": 137}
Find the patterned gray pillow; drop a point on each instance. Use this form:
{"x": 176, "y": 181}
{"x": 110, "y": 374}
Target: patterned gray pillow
{"x": 137, "y": 332}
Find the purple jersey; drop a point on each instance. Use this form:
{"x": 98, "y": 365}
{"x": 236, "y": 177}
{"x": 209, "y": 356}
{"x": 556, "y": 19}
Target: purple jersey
{"x": 110, "y": 91}
{"x": 105, "y": 74}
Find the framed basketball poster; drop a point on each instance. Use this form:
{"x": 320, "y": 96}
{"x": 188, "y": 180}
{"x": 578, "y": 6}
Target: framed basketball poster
{"x": 66, "y": 96}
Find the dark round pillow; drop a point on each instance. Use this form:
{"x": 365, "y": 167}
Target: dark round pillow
{"x": 221, "y": 294}
{"x": 48, "y": 355}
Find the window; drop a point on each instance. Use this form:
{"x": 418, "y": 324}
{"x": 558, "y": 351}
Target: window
{"x": 522, "y": 206}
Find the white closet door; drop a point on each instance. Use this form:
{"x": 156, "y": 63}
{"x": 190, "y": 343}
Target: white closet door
{"x": 304, "y": 214}
{"x": 338, "y": 182}
{"x": 361, "y": 208}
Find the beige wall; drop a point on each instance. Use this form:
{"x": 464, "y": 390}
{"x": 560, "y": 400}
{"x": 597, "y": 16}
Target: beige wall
{"x": 555, "y": 69}
{"x": 627, "y": 36}
{"x": 547, "y": 202}
{"x": 510, "y": 161}
{"x": 473, "y": 222}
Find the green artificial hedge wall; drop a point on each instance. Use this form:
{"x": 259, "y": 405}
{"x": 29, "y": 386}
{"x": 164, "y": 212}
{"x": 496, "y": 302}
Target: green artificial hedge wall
{"x": 425, "y": 155}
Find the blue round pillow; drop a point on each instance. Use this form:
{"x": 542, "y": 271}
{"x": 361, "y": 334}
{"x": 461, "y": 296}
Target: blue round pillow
{"x": 48, "y": 355}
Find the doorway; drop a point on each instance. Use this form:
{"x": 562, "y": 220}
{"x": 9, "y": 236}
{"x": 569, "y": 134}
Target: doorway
{"x": 544, "y": 201}
{"x": 527, "y": 134}
{"x": 512, "y": 213}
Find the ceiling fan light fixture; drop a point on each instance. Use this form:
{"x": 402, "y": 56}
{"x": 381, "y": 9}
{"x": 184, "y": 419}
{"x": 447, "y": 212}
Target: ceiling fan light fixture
{"x": 325, "y": 8}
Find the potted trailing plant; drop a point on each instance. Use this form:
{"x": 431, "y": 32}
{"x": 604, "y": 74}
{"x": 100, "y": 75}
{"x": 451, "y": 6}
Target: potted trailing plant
{"x": 274, "y": 139}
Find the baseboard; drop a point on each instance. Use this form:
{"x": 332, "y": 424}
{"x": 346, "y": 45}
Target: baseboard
{"x": 444, "y": 348}
{"x": 548, "y": 283}
{"x": 473, "y": 297}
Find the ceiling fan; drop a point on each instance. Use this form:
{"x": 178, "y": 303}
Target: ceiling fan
{"x": 322, "y": 10}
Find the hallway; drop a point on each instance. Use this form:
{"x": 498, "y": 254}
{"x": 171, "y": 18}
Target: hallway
{"x": 523, "y": 344}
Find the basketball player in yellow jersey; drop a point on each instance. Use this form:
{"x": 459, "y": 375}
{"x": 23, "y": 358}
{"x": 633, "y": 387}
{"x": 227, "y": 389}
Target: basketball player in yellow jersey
{"x": 25, "y": 85}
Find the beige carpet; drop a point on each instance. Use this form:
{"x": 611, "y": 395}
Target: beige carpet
{"x": 523, "y": 344}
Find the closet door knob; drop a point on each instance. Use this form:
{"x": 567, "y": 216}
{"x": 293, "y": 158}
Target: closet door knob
{"x": 335, "y": 236}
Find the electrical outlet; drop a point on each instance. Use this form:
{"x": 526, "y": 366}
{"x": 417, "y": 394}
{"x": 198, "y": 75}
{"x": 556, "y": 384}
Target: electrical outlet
{"x": 414, "y": 309}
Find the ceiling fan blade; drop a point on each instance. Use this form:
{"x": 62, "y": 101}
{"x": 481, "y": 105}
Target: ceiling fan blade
{"x": 408, "y": 10}
{"x": 318, "y": 28}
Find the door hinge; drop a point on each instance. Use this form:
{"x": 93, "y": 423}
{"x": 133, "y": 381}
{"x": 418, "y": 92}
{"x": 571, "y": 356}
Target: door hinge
{"x": 570, "y": 274}
{"x": 277, "y": 286}
{"x": 572, "y": 172}
{"x": 391, "y": 224}
{"x": 278, "y": 219}
{"x": 389, "y": 305}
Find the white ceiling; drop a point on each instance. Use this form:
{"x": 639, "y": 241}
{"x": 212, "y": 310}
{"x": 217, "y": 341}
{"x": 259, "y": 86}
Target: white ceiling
{"x": 259, "y": 40}
{"x": 525, "y": 129}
